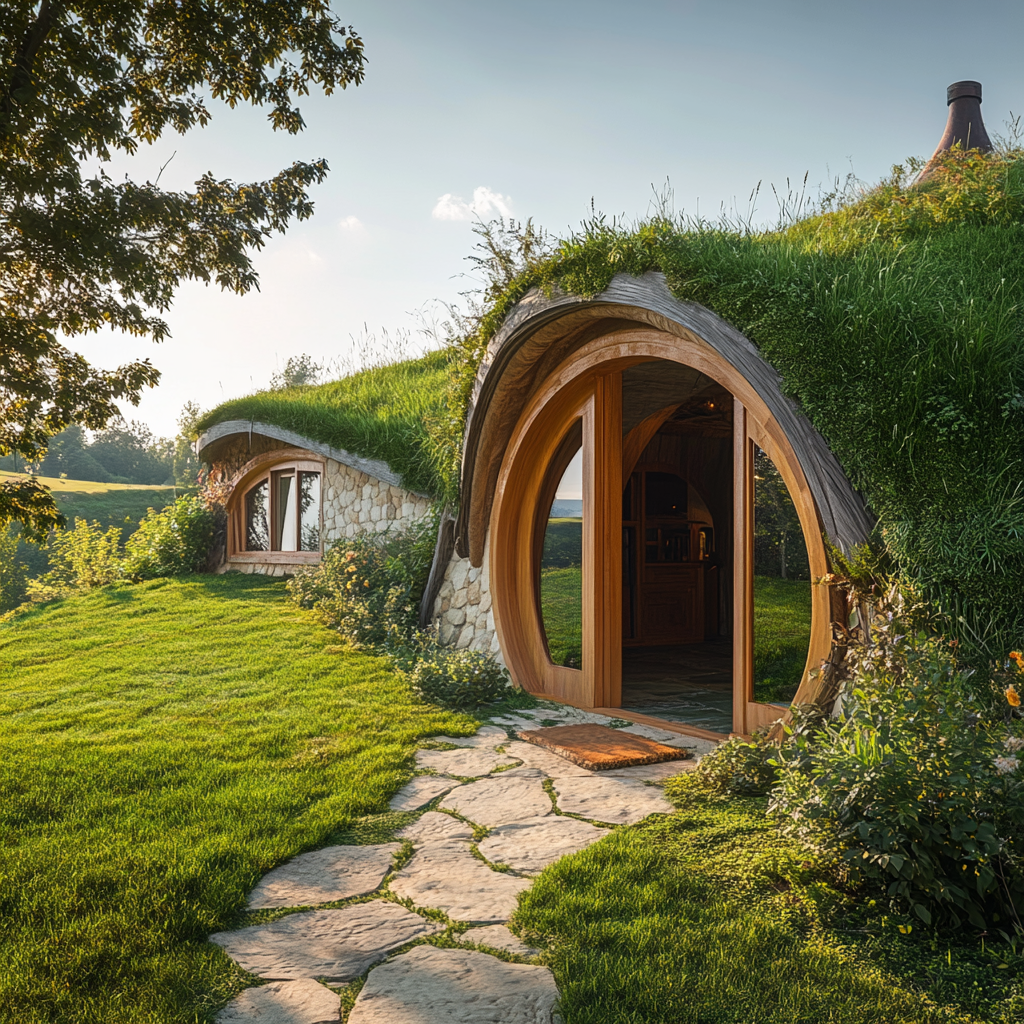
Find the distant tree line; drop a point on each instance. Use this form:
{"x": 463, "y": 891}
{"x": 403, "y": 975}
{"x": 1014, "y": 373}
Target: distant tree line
{"x": 124, "y": 453}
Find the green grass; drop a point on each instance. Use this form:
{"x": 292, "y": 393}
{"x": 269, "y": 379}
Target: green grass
{"x": 380, "y": 413}
{"x": 561, "y": 604}
{"x": 782, "y": 634}
{"x": 163, "y": 746}
{"x": 709, "y": 916}
{"x": 896, "y": 322}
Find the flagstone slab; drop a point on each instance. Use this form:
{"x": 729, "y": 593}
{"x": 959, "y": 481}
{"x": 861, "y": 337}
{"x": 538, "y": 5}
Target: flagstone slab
{"x": 433, "y": 826}
{"x": 497, "y": 936}
{"x": 615, "y": 801}
{"x": 550, "y": 763}
{"x": 337, "y": 945}
{"x": 697, "y": 744}
{"x": 323, "y": 876}
{"x": 444, "y": 875}
{"x": 530, "y": 846}
{"x": 419, "y": 791}
{"x": 488, "y": 736}
{"x": 284, "y": 1002}
{"x": 461, "y": 986}
{"x": 468, "y": 763}
{"x": 499, "y": 800}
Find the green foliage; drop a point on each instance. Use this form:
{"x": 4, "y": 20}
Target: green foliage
{"x": 13, "y": 578}
{"x": 912, "y": 788}
{"x": 81, "y": 558}
{"x": 736, "y": 767}
{"x": 713, "y": 915}
{"x": 127, "y": 453}
{"x": 173, "y": 541}
{"x": 896, "y": 322}
{"x": 299, "y": 371}
{"x": 83, "y": 251}
{"x": 368, "y": 588}
{"x": 164, "y": 746}
{"x": 459, "y": 679}
{"x": 185, "y": 462}
{"x": 379, "y": 413}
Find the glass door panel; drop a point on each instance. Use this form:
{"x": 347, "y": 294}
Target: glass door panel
{"x": 561, "y": 558}
{"x": 782, "y": 588}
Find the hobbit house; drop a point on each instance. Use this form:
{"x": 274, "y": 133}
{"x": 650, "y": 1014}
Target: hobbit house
{"x": 642, "y": 507}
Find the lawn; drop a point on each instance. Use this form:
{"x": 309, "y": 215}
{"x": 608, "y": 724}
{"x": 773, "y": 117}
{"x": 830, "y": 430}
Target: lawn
{"x": 710, "y": 916}
{"x": 782, "y": 633}
{"x": 561, "y": 605}
{"x": 163, "y": 746}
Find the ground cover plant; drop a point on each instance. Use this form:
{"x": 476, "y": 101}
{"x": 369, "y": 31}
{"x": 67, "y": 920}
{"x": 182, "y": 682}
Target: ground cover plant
{"x": 711, "y": 915}
{"x": 164, "y": 745}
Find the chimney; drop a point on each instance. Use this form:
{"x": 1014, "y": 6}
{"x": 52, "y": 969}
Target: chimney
{"x": 964, "y": 124}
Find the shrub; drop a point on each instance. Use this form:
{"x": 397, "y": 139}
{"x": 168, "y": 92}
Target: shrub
{"x": 172, "y": 541}
{"x": 458, "y": 679}
{"x": 368, "y": 588}
{"x": 736, "y": 767}
{"x": 12, "y": 572}
{"x": 916, "y": 788}
{"x": 80, "y": 559}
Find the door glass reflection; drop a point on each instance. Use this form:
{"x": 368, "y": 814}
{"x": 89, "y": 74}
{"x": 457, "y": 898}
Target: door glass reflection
{"x": 782, "y": 588}
{"x": 561, "y": 562}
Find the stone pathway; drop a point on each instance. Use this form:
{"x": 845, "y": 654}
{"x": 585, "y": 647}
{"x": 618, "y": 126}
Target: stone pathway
{"x": 505, "y": 810}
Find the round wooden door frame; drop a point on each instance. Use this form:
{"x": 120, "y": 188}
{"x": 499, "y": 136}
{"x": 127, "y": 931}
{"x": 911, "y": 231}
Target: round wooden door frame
{"x": 587, "y": 385}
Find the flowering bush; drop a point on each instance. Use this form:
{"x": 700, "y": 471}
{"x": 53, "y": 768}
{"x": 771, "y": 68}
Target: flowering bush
{"x": 368, "y": 588}
{"x": 914, "y": 789}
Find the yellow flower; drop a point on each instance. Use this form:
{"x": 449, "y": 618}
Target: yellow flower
{"x": 366, "y": 583}
{"x": 1012, "y": 696}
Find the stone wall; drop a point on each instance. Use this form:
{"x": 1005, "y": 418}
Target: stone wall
{"x": 462, "y": 610}
{"x": 356, "y": 503}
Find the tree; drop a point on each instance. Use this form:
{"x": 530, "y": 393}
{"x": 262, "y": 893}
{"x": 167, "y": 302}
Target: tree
{"x": 186, "y": 462}
{"x": 79, "y": 251}
{"x": 298, "y": 370}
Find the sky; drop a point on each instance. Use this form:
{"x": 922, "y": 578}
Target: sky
{"x": 547, "y": 110}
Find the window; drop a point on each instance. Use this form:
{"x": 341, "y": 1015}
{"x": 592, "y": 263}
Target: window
{"x": 281, "y": 510}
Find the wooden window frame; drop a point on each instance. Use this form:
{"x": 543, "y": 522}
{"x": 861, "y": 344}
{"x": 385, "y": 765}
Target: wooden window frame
{"x": 269, "y": 468}
{"x": 587, "y": 386}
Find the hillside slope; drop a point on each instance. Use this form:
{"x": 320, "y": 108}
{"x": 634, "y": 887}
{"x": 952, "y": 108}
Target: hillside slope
{"x": 164, "y": 745}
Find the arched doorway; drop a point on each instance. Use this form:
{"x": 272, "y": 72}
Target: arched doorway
{"x": 665, "y": 433}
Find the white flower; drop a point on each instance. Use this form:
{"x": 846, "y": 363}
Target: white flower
{"x": 1014, "y": 743}
{"x": 1005, "y": 765}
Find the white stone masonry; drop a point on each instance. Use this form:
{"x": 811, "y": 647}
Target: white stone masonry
{"x": 462, "y": 611}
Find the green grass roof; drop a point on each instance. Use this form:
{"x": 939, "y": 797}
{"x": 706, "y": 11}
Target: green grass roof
{"x": 379, "y": 413}
{"x": 896, "y": 321}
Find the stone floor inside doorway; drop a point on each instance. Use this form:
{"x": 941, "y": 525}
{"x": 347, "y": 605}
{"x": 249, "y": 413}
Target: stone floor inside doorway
{"x": 689, "y": 683}
{"x": 422, "y": 921}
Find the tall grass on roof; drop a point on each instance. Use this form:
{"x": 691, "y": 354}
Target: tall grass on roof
{"x": 379, "y": 413}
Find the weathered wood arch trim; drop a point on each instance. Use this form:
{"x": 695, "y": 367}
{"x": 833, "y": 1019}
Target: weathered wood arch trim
{"x": 542, "y": 331}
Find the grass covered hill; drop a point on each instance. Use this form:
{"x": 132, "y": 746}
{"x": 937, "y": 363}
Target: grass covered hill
{"x": 379, "y": 413}
{"x": 895, "y": 318}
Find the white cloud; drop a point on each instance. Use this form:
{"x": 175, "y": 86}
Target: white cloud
{"x": 484, "y": 203}
{"x": 352, "y": 225}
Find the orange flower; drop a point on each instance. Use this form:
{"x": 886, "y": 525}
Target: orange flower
{"x": 1012, "y": 696}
